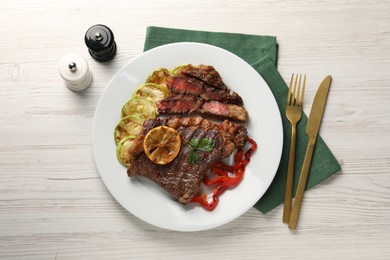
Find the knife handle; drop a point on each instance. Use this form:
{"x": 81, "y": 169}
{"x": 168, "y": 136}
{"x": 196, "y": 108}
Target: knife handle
{"x": 302, "y": 184}
{"x": 290, "y": 178}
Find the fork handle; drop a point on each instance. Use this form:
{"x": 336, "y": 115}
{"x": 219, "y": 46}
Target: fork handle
{"x": 302, "y": 184}
{"x": 290, "y": 178}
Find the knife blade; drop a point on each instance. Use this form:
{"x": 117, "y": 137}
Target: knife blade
{"x": 312, "y": 129}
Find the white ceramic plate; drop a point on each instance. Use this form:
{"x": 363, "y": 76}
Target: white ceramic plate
{"x": 147, "y": 201}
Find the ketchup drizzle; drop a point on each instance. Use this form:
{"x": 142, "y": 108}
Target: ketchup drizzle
{"x": 223, "y": 180}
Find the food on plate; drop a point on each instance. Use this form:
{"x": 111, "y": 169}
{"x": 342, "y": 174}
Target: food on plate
{"x": 178, "y": 127}
{"x": 182, "y": 177}
{"x": 203, "y": 145}
{"x": 159, "y": 76}
{"x": 229, "y": 111}
{"x": 189, "y": 104}
{"x": 200, "y": 90}
{"x": 152, "y": 92}
{"x": 122, "y": 150}
{"x": 179, "y": 104}
{"x": 134, "y": 112}
{"x": 162, "y": 144}
{"x": 206, "y": 73}
{"x": 141, "y": 107}
{"x": 130, "y": 125}
{"x": 193, "y": 86}
{"x": 233, "y": 135}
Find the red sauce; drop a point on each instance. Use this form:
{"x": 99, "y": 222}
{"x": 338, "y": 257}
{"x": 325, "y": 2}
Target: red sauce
{"x": 223, "y": 180}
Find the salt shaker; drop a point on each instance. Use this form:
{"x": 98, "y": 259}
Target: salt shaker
{"x": 75, "y": 71}
{"x": 100, "y": 42}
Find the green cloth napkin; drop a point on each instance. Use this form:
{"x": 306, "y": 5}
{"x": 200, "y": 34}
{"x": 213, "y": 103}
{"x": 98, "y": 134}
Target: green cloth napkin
{"x": 261, "y": 53}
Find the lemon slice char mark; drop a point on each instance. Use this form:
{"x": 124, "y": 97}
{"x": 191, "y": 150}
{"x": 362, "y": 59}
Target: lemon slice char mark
{"x": 162, "y": 144}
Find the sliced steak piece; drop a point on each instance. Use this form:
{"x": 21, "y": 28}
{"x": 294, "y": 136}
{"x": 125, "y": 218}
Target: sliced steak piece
{"x": 186, "y": 85}
{"x": 224, "y": 111}
{"x": 224, "y": 96}
{"x": 196, "y": 87}
{"x": 188, "y": 104}
{"x": 182, "y": 177}
{"x": 179, "y": 104}
{"x": 206, "y": 73}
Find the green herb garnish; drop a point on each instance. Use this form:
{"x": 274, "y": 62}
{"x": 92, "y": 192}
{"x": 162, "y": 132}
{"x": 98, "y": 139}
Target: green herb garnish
{"x": 194, "y": 142}
{"x": 193, "y": 157}
{"x": 203, "y": 145}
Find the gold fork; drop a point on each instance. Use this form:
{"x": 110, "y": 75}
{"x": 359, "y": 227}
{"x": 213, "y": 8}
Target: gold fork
{"x": 293, "y": 113}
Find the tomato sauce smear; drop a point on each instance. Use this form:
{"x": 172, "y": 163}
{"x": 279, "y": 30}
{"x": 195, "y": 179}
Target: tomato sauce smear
{"x": 223, "y": 179}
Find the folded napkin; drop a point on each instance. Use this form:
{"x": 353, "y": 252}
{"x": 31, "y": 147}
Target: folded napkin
{"x": 261, "y": 53}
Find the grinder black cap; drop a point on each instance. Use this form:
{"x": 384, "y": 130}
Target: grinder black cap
{"x": 100, "y": 42}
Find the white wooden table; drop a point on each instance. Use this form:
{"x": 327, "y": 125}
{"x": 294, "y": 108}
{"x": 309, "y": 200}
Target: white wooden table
{"x": 53, "y": 203}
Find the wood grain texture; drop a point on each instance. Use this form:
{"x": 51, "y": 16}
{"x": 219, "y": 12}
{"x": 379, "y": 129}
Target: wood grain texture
{"x": 53, "y": 204}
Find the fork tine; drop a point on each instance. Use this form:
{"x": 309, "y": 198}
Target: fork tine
{"x": 294, "y": 94}
{"x": 289, "y": 90}
{"x": 299, "y": 91}
{"x": 302, "y": 97}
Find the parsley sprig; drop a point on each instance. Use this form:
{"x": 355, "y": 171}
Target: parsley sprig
{"x": 202, "y": 145}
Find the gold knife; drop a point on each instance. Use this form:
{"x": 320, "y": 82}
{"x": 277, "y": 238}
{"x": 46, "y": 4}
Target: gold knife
{"x": 313, "y": 126}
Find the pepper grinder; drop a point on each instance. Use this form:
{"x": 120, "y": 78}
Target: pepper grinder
{"x": 100, "y": 42}
{"x": 75, "y": 71}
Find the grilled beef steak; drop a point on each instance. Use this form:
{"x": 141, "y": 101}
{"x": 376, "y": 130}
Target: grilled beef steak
{"x": 200, "y": 89}
{"x": 183, "y": 176}
{"x": 196, "y": 87}
{"x": 179, "y": 104}
{"x": 221, "y": 110}
{"x": 188, "y": 104}
{"x": 205, "y": 73}
{"x": 233, "y": 135}
{"x": 210, "y": 93}
{"x": 185, "y": 85}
